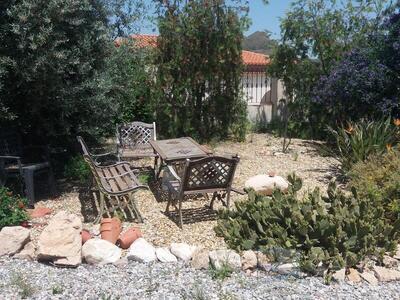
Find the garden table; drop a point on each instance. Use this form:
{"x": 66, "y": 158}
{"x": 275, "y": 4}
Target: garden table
{"x": 173, "y": 151}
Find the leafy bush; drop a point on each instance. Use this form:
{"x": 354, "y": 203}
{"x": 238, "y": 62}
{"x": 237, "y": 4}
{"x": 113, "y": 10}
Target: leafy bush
{"x": 378, "y": 178}
{"x": 12, "y": 208}
{"x": 77, "y": 169}
{"x": 336, "y": 230}
{"x": 357, "y": 141}
{"x": 199, "y": 68}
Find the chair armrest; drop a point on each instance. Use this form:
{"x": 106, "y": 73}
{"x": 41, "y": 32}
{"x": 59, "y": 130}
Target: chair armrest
{"x": 10, "y": 157}
{"x": 114, "y": 165}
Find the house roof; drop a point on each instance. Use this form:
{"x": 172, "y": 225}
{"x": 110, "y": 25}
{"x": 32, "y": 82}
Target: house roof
{"x": 249, "y": 58}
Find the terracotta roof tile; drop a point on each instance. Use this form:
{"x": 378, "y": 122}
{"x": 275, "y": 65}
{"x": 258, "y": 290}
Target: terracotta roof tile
{"x": 254, "y": 59}
{"x": 150, "y": 40}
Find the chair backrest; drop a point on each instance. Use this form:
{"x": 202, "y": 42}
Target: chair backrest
{"x": 89, "y": 160}
{"x": 136, "y": 134}
{"x": 85, "y": 148}
{"x": 10, "y": 144}
{"x": 213, "y": 172}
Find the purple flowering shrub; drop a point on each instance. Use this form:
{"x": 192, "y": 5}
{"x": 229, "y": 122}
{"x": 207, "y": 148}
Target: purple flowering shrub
{"x": 366, "y": 82}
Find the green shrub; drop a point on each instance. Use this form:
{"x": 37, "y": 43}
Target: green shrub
{"x": 336, "y": 230}
{"x": 12, "y": 208}
{"x": 358, "y": 141}
{"x": 378, "y": 178}
{"x": 77, "y": 169}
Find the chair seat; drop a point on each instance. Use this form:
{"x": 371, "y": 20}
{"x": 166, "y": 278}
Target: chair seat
{"x": 118, "y": 179}
{"x": 137, "y": 152}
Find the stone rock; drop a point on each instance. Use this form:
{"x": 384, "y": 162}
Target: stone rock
{"x": 39, "y": 212}
{"x": 142, "y": 251}
{"x": 384, "y": 274}
{"x": 27, "y": 253}
{"x": 100, "y": 252}
{"x": 183, "y": 251}
{"x": 369, "y": 277}
{"x": 354, "y": 276}
{"x": 121, "y": 263}
{"x": 390, "y": 262}
{"x": 339, "y": 275}
{"x": 397, "y": 254}
{"x": 249, "y": 260}
{"x": 13, "y": 239}
{"x": 262, "y": 259}
{"x": 286, "y": 268}
{"x": 200, "y": 259}
{"x": 265, "y": 184}
{"x": 165, "y": 256}
{"x": 221, "y": 258}
{"x": 60, "y": 242}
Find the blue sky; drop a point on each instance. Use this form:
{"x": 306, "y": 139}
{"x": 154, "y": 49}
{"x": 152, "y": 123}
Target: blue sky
{"x": 264, "y": 17}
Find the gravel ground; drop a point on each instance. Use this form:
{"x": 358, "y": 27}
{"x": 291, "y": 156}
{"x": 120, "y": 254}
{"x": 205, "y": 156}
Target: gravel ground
{"x": 260, "y": 154}
{"x": 20, "y": 279}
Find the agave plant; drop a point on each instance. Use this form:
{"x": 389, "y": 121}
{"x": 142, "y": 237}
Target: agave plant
{"x": 357, "y": 141}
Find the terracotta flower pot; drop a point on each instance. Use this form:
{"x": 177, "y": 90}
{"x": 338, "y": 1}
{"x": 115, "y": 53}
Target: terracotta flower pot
{"x": 85, "y": 236}
{"x": 110, "y": 229}
{"x": 128, "y": 237}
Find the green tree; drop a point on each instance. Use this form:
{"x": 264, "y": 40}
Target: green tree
{"x": 130, "y": 73}
{"x": 199, "y": 69}
{"x": 54, "y": 61}
{"x": 315, "y": 36}
{"x": 53, "y": 50}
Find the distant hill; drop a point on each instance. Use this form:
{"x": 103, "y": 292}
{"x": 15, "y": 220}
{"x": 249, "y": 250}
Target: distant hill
{"x": 260, "y": 42}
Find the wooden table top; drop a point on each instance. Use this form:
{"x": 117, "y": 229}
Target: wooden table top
{"x": 179, "y": 149}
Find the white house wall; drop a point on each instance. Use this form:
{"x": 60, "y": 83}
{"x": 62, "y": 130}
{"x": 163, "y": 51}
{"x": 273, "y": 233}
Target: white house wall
{"x": 262, "y": 95}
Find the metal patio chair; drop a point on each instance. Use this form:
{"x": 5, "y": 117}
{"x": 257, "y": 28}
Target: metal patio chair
{"x": 117, "y": 183}
{"x": 213, "y": 174}
{"x": 17, "y": 161}
{"x": 134, "y": 140}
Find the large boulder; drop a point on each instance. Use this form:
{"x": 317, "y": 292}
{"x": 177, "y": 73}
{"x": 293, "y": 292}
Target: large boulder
{"x": 165, "y": 256}
{"x": 265, "y": 184}
{"x": 183, "y": 251}
{"x": 384, "y": 274}
{"x": 200, "y": 259}
{"x": 13, "y": 239}
{"x": 27, "y": 253}
{"x": 222, "y": 258}
{"x": 142, "y": 251}
{"x": 100, "y": 252}
{"x": 249, "y": 260}
{"x": 61, "y": 242}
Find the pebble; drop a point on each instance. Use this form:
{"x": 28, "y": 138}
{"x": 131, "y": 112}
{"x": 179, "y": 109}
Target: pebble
{"x": 171, "y": 281}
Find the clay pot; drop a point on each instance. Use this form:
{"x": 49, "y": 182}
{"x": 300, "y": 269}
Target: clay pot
{"x": 85, "y": 236}
{"x": 110, "y": 229}
{"x": 128, "y": 237}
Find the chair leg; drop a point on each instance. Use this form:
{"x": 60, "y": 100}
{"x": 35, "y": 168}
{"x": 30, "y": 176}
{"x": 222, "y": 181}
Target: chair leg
{"x": 212, "y": 200}
{"x": 29, "y": 186}
{"x": 52, "y": 182}
{"x": 101, "y": 208}
{"x": 228, "y": 198}
{"x": 169, "y": 202}
{"x": 138, "y": 215}
{"x": 180, "y": 214}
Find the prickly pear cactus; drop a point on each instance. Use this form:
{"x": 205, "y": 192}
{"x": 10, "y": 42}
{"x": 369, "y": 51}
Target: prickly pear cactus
{"x": 336, "y": 230}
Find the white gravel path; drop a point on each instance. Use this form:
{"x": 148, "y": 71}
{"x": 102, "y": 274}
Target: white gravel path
{"x": 162, "y": 281}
